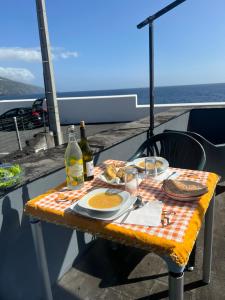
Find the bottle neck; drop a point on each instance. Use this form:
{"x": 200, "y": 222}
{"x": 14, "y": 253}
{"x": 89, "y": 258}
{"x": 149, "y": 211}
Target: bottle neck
{"x": 72, "y": 137}
{"x": 82, "y": 133}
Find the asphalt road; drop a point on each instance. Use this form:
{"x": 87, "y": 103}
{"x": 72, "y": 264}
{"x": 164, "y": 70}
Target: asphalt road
{"x": 9, "y": 141}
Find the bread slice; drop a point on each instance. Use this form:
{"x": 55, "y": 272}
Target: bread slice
{"x": 184, "y": 188}
{"x": 110, "y": 172}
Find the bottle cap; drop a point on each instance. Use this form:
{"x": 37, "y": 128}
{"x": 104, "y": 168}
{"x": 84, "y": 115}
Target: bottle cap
{"x": 82, "y": 123}
{"x": 71, "y": 129}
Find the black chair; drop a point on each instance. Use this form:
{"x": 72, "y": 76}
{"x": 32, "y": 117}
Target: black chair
{"x": 215, "y": 154}
{"x": 179, "y": 149}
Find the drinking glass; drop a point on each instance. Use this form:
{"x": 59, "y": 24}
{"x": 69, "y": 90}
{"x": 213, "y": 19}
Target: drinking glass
{"x": 150, "y": 167}
{"x": 131, "y": 181}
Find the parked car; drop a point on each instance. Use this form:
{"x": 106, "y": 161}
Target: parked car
{"x": 25, "y": 119}
{"x": 39, "y": 109}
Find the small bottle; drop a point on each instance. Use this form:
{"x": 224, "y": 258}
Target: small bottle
{"x": 87, "y": 154}
{"x": 73, "y": 162}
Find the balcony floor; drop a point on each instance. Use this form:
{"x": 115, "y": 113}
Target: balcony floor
{"x": 128, "y": 273}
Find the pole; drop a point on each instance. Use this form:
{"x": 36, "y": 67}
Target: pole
{"x": 151, "y": 78}
{"x": 149, "y": 21}
{"x": 17, "y": 134}
{"x": 50, "y": 91}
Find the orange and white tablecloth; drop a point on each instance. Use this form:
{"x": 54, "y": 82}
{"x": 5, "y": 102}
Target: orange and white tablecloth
{"x": 175, "y": 240}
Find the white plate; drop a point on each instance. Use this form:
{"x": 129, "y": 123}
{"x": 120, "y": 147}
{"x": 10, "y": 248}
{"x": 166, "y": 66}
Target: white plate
{"x": 163, "y": 168}
{"x": 83, "y": 202}
{"x": 105, "y": 216}
{"x": 115, "y": 182}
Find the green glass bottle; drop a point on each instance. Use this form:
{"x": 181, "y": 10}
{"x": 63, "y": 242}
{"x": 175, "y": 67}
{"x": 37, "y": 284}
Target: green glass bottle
{"x": 73, "y": 162}
{"x": 87, "y": 154}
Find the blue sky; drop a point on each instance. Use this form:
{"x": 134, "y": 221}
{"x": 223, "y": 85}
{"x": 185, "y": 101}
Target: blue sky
{"x": 96, "y": 44}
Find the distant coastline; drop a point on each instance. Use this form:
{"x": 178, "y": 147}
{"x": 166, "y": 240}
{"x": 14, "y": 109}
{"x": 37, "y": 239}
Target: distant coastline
{"x": 163, "y": 95}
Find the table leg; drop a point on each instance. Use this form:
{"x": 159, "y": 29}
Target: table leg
{"x": 176, "y": 286}
{"x": 41, "y": 257}
{"x": 208, "y": 241}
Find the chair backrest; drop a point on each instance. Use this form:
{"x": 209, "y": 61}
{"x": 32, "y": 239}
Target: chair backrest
{"x": 209, "y": 123}
{"x": 181, "y": 150}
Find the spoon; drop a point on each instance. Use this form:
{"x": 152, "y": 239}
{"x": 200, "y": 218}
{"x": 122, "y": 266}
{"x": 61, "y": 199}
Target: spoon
{"x": 137, "y": 204}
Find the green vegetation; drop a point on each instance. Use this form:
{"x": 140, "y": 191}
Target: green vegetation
{"x": 9, "y": 175}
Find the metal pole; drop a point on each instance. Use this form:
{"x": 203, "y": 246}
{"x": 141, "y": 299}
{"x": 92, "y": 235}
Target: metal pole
{"x": 50, "y": 91}
{"x": 149, "y": 21}
{"x": 17, "y": 134}
{"x": 208, "y": 241}
{"x": 41, "y": 257}
{"x": 176, "y": 286}
{"x": 151, "y": 78}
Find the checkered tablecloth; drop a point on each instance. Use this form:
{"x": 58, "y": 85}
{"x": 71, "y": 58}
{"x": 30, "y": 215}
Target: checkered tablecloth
{"x": 54, "y": 207}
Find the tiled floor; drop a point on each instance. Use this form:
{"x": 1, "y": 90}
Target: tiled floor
{"x": 128, "y": 273}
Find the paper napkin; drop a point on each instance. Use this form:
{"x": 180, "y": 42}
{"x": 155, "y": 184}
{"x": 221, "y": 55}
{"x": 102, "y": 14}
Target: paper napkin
{"x": 148, "y": 215}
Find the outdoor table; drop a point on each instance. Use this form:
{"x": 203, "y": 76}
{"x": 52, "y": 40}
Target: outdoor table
{"x": 173, "y": 242}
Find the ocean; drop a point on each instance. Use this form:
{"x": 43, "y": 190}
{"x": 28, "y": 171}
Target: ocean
{"x": 169, "y": 94}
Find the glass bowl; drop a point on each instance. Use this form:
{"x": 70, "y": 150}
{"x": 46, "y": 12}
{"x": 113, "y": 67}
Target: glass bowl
{"x": 10, "y": 175}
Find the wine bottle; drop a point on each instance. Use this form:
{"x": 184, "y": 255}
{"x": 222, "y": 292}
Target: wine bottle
{"x": 87, "y": 154}
{"x": 73, "y": 162}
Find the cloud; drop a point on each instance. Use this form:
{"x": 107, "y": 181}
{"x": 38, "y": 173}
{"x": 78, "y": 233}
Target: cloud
{"x": 19, "y": 74}
{"x": 25, "y": 54}
{"x": 33, "y": 54}
{"x": 68, "y": 54}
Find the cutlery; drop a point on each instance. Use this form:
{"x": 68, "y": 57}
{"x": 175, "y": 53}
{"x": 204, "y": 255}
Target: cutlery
{"x": 137, "y": 204}
{"x": 170, "y": 175}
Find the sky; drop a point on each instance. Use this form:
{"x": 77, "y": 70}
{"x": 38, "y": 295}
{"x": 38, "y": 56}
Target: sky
{"x": 96, "y": 44}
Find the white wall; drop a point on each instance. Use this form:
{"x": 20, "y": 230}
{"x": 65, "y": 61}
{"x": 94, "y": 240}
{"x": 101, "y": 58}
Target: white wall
{"x": 99, "y": 109}
{"x": 102, "y": 109}
{"x": 9, "y": 104}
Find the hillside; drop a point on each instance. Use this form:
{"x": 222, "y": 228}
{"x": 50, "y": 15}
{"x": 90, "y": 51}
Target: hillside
{"x": 10, "y": 88}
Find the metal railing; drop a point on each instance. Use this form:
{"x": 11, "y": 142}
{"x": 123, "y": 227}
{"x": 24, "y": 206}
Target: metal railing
{"x": 16, "y": 131}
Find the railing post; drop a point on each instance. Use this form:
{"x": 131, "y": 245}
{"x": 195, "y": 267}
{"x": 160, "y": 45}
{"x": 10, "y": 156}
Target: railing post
{"x": 17, "y": 134}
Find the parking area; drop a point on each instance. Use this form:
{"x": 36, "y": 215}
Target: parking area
{"x": 9, "y": 141}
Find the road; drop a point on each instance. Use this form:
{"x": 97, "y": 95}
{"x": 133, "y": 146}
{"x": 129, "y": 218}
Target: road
{"x": 9, "y": 141}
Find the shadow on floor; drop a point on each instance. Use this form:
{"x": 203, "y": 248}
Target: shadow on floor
{"x": 164, "y": 294}
{"x": 104, "y": 260}
{"x": 220, "y": 189}
{"x": 63, "y": 294}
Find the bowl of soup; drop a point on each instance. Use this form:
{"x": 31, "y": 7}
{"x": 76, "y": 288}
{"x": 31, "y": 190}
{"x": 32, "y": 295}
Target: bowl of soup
{"x": 104, "y": 199}
{"x": 161, "y": 164}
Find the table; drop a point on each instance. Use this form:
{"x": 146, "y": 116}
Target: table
{"x": 173, "y": 243}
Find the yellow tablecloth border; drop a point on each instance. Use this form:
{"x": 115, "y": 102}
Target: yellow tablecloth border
{"x": 178, "y": 251}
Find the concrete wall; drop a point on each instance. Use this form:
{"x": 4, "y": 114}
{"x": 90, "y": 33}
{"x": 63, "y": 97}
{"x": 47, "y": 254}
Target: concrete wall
{"x": 99, "y": 109}
{"x": 102, "y": 109}
{"x": 9, "y": 104}
{"x": 19, "y": 277}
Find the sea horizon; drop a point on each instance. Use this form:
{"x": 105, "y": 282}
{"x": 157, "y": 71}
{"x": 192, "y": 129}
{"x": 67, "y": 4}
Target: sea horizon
{"x": 190, "y": 93}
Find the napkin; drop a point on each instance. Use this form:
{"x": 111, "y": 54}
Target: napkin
{"x": 147, "y": 215}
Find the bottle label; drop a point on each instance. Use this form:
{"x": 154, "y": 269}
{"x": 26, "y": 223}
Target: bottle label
{"x": 74, "y": 172}
{"x": 90, "y": 168}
